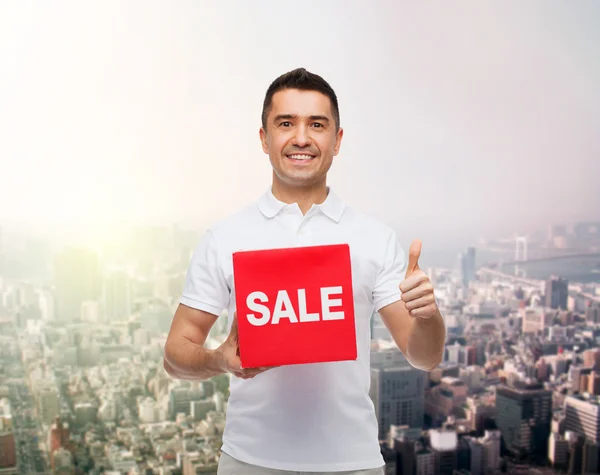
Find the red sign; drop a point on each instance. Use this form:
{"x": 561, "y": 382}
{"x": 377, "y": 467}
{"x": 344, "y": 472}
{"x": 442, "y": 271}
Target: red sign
{"x": 295, "y": 305}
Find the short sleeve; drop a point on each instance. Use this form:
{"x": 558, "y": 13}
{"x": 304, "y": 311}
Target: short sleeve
{"x": 386, "y": 290}
{"x": 205, "y": 286}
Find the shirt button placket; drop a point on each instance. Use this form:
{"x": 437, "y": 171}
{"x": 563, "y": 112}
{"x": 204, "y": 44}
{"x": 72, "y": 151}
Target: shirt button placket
{"x": 303, "y": 233}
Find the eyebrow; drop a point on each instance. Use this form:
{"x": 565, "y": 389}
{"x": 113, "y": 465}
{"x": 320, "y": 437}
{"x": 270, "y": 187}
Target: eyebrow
{"x": 279, "y": 117}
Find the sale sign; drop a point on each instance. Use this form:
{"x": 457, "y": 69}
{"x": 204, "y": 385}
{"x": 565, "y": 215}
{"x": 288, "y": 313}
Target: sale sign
{"x": 295, "y": 305}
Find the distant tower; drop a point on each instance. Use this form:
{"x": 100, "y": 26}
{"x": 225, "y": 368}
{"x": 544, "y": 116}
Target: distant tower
{"x": 557, "y": 292}
{"x": 520, "y": 254}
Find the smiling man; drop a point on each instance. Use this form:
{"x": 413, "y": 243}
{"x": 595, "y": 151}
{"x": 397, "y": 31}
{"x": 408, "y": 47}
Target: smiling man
{"x": 314, "y": 418}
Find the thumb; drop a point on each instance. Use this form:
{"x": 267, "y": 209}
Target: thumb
{"x": 413, "y": 257}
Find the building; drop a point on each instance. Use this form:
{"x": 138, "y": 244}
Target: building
{"x": 397, "y": 391}
{"x": 479, "y": 456}
{"x": 147, "y": 410}
{"x": 533, "y": 319}
{"x": 181, "y": 399}
{"x": 442, "y": 400}
{"x": 8, "y": 450}
{"x": 583, "y": 454}
{"x": 491, "y": 441}
{"x": 526, "y": 416}
{"x": 480, "y": 414}
{"x": 579, "y": 378}
{"x": 460, "y": 355}
{"x": 591, "y": 358}
{"x": 473, "y": 460}
{"x": 466, "y": 262}
{"x": 582, "y": 416}
{"x": 405, "y": 442}
{"x": 199, "y": 409}
{"x": 58, "y": 438}
{"x": 576, "y": 444}
{"x": 594, "y": 383}
{"x": 196, "y": 463}
{"x": 425, "y": 461}
{"x": 472, "y": 376}
{"x": 444, "y": 444}
{"x": 48, "y": 405}
{"x": 557, "y": 293}
{"x": 85, "y": 413}
{"x": 558, "y": 450}
{"x": 592, "y": 313}
{"x": 63, "y": 462}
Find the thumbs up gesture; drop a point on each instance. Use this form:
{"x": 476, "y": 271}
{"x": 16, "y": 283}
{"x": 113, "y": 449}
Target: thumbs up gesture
{"x": 416, "y": 288}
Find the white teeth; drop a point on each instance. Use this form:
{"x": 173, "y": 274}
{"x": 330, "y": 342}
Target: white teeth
{"x": 301, "y": 157}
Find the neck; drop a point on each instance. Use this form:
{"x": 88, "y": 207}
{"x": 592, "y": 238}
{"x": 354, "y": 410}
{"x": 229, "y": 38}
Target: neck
{"x": 304, "y": 196}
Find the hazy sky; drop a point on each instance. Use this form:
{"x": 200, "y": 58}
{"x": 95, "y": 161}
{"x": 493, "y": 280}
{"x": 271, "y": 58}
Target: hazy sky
{"x": 461, "y": 118}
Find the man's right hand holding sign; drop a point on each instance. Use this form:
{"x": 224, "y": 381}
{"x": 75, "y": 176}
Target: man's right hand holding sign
{"x": 415, "y": 321}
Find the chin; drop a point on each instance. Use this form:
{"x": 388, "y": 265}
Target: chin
{"x": 298, "y": 181}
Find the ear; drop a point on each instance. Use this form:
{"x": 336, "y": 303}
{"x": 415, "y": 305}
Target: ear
{"x": 263, "y": 140}
{"x": 338, "y": 141}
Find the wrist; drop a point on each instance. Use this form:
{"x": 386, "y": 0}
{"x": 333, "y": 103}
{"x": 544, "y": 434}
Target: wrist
{"x": 425, "y": 323}
{"x": 215, "y": 361}
{"x": 432, "y": 321}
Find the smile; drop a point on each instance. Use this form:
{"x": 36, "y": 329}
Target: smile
{"x": 301, "y": 157}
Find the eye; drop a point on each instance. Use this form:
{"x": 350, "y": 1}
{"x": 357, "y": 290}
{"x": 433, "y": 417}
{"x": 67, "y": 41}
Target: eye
{"x": 318, "y": 125}
{"x": 285, "y": 124}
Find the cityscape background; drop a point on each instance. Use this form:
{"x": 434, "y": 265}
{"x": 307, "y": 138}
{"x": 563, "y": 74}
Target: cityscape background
{"x": 128, "y": 128}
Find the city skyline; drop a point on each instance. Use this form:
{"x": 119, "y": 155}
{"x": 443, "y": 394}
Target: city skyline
{"x": 116, "y": 246}
{"x": 515, "y": 346}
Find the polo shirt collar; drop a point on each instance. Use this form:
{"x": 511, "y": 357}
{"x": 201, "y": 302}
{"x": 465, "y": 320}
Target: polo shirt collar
{"x": 332, "y": 207}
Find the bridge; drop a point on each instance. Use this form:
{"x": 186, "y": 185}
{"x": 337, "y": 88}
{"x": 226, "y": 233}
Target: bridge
{"x": 494, "y": 268}
{"x": 573, "y": 291}
{"x": 513, "y": 278}
{"x": 581, "y": 255}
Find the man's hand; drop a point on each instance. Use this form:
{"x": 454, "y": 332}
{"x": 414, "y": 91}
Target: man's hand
{"x": 415, "y": 322}
{"x": 229, "y": 355}
{"x": 416, "y": 288}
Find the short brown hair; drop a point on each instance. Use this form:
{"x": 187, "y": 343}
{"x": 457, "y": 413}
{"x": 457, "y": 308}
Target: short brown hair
{"x": 304, "y": 80}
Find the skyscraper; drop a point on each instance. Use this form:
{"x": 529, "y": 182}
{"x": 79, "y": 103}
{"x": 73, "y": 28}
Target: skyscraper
{"x": 397, "y": 391}
{"x": 470, "y": 264}
{"x": 524, "y": 417}
{"x": 466, "y": 266}
{"x": 557, "y": 293}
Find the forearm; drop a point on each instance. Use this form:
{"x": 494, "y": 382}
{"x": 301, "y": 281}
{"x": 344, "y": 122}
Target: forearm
{"x": 426, "y": 341}
{"x": 184, "y": 359}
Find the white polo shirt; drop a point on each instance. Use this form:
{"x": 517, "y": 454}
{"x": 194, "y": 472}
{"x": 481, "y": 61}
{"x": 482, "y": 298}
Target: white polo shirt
{"x": 313, "y": 417}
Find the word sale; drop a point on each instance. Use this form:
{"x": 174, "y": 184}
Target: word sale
{"x": 283, "y": 307}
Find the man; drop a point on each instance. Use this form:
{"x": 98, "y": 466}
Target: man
{"x": 315, "y": 418}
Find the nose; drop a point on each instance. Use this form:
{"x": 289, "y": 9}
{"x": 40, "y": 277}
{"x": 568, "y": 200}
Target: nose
{"x": 301, "y": 137}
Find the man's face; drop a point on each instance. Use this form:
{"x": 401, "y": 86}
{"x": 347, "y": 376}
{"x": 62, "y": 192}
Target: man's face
{"x": 300, "y": 138}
